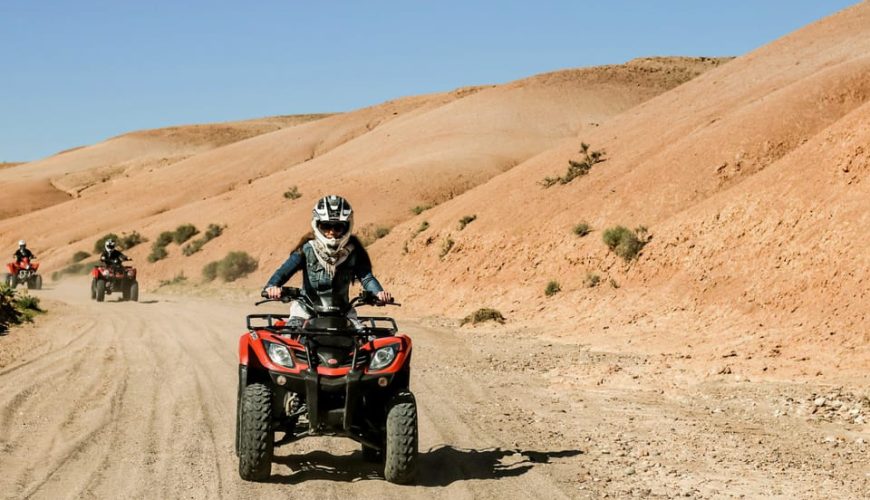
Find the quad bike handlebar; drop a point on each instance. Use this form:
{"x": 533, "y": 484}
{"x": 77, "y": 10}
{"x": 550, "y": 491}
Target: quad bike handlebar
{"x": 289, "y": 294}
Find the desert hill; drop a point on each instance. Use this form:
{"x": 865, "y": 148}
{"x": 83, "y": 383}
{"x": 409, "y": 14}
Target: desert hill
{"x": 387, "y": 158}
{"x": 752, "y": 180}
{"x": 67, "y": 174}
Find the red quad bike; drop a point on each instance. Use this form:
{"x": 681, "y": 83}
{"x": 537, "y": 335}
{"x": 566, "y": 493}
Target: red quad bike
{"x": 24, "y": 272}
{"x": 325, "y": 377}
{"x": 114, "y": 277}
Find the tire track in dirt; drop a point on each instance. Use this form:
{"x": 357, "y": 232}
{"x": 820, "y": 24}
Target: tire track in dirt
{"x": 146, "y": 409}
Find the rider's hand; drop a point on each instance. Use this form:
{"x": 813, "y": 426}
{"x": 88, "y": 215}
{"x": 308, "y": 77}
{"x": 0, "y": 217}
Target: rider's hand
{"x": 385, "y": 297}
{"x": 273, "y": 292}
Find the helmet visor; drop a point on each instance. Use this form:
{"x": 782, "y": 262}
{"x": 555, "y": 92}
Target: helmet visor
{"x": 337, "y": 228}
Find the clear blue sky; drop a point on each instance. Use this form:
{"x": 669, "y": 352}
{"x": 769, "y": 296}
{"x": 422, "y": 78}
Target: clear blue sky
{"x": 77, "y": 72}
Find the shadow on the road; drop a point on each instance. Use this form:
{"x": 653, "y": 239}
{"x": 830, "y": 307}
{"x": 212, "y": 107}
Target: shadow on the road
{"x": 439, "y": 466}
{"x": 152, "y": 301}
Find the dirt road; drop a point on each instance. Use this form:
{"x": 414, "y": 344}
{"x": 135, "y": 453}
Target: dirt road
{"x": 137, "y": 400}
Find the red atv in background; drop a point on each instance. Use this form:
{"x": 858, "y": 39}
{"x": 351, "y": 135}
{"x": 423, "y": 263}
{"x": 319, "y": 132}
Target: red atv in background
{"x": 114, "y": 277}
{"x": 24, "y": 272}
{"x": 325, "y": 376}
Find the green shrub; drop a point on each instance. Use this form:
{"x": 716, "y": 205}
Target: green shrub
{"x": 164, "y": 239}
{"x": 157, "y": 253}
{"x": 483, "y": 315}
{"x": 16, "y": 308}
{"x": 212, "y": 232}
{"x": 553, "y": 287}
{"x": 468, "y": 219}
{"x": 577, "y": 168}
{"x": 236, "y": 265}
{"x": 100, "y": 244}
{"x": 624, "y": 242}
{"x": 423, "y": 226}
{"x": 371, "y": 233}
{"x": 419, "y": 209}
{"x": 446, "y": 246}
{"x": 127, "y": 241}
{"x": 292, "y": 193}
{"x": 79, "y": 256}
{"x": 582, "y": 229}
{"x": 184, "y": 232}
{"x": 209, "y": 271}
{"x": 591, "y": 280}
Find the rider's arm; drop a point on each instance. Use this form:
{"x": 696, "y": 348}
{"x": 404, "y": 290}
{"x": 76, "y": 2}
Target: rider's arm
{"x": 287, "y": 270}
{"x": 362, "y": 270}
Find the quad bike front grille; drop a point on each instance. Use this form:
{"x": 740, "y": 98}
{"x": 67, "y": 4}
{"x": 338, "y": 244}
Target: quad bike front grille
{"x": 362, "y": 359}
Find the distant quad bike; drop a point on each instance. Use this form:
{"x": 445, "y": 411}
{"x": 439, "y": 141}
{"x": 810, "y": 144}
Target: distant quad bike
{"x": 325, "y": 376}
{"x": 114, "y": 277}
{"x": 24, "y": 272}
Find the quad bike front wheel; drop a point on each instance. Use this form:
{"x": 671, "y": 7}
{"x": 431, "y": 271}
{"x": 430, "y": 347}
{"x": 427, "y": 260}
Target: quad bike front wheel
{"x": 93, "y": 289}
{"x": 133, "y": 292}
{"x": 256, "y": 438}
{"x": 35, "y": 283}
{"x": 400, "y": 453}
{"x": 10, "y": 280}
{"x": 100, "y": 290}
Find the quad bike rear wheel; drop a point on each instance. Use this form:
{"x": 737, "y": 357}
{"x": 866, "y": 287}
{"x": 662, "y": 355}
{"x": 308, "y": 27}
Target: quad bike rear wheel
{"x": 10, "y": 280}
{"x": 256, "y": 438}
{"x": 133, "y": 292}
{"x": 100, "y": 290}
{"x": 400, "y": 454}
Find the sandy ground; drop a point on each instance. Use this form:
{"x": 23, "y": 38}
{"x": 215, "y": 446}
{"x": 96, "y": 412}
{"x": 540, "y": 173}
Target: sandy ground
{"x": 137, "y": 400}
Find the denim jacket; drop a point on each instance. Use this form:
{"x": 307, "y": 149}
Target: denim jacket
{"x": 316, "y": 283}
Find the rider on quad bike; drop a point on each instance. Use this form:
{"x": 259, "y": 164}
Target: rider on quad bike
{"x": 114, "y": 276}
{"x": 111, "y": 256}
{"x": 22, "y": 253}
{"x": 322, "y": 369}
{"x": 23, "y": 269}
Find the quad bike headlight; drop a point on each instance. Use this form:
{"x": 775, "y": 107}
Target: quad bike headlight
{"x": 280, "y": 355}
{"x": 383, "y": 357}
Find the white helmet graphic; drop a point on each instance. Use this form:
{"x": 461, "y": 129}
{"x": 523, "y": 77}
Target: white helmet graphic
{"x": 22, "y": 243}
{"x": 332, "y": 212}
{"x": 110, "y": 245}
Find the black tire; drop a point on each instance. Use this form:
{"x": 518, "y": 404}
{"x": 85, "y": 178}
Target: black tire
{"x": 133, "y": 292}
{"x": 93, "y": 289}
{"x": 256, "y": 438}
{"x": 11, "y": 281}
{"x": 38, "y": 282}
{"x": 400, "y": 455}
{"x": 100, "y": 291}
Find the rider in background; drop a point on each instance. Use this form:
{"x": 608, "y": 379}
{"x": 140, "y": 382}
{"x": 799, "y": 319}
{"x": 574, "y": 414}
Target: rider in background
{"x": 111, "y": 256}
{"x": 331, "y": 258}
{"x": 23, "y": 252}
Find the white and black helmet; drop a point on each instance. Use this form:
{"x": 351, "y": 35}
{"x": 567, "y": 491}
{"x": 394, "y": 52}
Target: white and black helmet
{"x": 332, "y": 211}
{"x": 110, "y": 245}
{"x": 22, "y": 243}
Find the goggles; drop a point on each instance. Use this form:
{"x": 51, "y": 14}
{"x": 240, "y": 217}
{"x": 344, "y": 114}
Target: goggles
{"x": 337, "y": 226}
